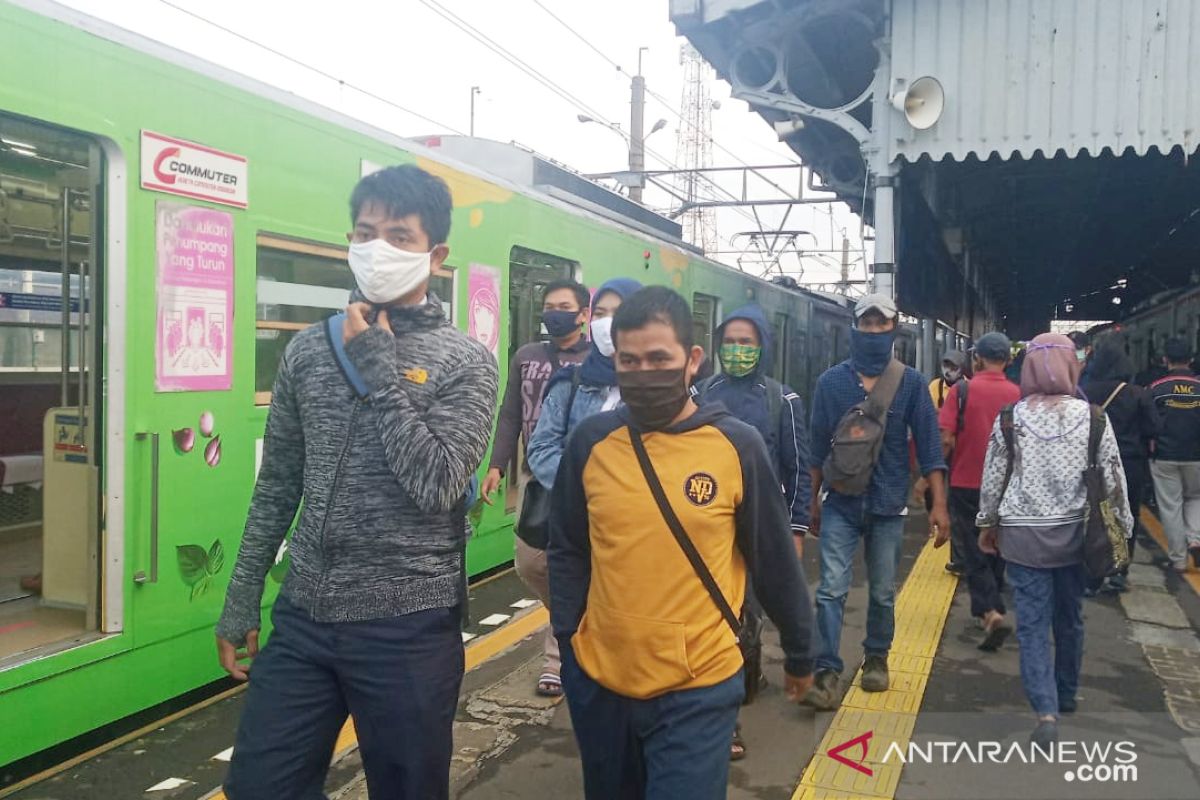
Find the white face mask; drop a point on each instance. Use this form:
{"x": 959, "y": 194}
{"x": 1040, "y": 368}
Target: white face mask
{"x": 384, "y": 272}
{"x": 602, "y": 336}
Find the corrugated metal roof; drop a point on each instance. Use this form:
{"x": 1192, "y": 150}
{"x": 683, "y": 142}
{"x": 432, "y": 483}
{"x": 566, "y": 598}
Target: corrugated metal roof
{"x": 1027, "y": 75}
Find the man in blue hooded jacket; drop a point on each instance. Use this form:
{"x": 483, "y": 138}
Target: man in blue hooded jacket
{"x": 773, "y": 408}
{"x": 775, "y": 411}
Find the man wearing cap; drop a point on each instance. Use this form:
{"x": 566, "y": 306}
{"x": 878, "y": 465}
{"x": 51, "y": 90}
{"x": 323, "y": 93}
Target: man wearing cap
{"x": 965, "y": 435}
{"x": 1176, "y": 464}
{"x": 876, "y": 516}
{"x": 954, "y": 367}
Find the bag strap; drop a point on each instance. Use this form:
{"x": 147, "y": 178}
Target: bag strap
{"x": 963, "y": 387}
{"x": 685, "y": 543}
{"x": 1008, "y": 431}
{"x": 1113, "y": 396}
{"x": 879, "y": 401}
{"x": 333, "y": 333}
{"x": 1095, "y": 434}
{"x": 571, "y": 398}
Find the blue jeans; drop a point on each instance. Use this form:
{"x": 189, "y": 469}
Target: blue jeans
{"x": 665, "y": 748}
{"x": 399, "y": 677}
{"x": 1049, "y": 599}
{"x": 882, "y": 537}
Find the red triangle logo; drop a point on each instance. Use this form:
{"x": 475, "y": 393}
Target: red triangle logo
{"x": 858, "y": 741}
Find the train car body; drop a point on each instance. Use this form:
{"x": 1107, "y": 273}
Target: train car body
{"x": 165, "y": 227}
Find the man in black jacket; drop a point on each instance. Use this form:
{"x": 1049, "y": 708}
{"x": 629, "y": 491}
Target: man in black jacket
{"x": 1134, "y": 420}
{"x": 1176, "y": 465}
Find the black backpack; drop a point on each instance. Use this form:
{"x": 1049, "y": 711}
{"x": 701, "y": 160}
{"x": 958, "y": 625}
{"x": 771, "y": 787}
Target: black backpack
{"x": 858, "y": 437}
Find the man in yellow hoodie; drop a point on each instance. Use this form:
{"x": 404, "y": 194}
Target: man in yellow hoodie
{"x": 651, "y": 664}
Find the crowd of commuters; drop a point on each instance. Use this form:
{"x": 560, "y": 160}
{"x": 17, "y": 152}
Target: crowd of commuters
{"x": 661, "y": 513}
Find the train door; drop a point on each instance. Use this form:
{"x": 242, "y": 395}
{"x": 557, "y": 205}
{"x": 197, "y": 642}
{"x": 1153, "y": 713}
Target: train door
{"x": 51, "y": 419}
{"x": 705, "y": 312}
{"x": 528, "y": 274}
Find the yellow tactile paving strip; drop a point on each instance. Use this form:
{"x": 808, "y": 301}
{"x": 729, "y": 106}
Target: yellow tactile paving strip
{"x": 1154, "y": 528}
{"x": 921, "y": 610}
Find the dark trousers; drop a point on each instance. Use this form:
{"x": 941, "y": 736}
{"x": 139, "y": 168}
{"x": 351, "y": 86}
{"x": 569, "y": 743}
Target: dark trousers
{"x": 666, "y": 748}
{"x": 1138, "y": 484}
{"x": 985, "y": 572}
{"x": 398, "y": 677}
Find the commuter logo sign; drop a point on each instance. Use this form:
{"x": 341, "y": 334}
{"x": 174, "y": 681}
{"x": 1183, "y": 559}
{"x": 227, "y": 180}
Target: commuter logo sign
{"x": 700, "y": 488}
{"x": 176, "y": 166}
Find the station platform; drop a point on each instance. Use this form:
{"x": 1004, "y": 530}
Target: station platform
{"x": 950, "y": 726}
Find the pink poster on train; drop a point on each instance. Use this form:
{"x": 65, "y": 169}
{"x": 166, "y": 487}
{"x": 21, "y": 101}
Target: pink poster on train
{"x": 483, "y": 306}
{"x": 195, "y": 299}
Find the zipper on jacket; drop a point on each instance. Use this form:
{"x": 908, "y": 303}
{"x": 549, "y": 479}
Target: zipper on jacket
{"x": 337, "y": 481}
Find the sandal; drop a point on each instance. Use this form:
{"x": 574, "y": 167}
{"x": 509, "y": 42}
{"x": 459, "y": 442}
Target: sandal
{"x": 996, "y": 635}
{"x": 737, "y": 750}
{"x": 549, "y": 685}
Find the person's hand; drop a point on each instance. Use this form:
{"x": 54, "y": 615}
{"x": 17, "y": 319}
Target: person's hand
{"x": 491, "y": 482}
{"x": 799, "y": 542}
{"x": 918, "y": 492}
{"x": 939, "y": 525}
{"x": 814, "y": 519}
{"x": 357, "y": 323}
{"x": 231, "y": 657}
{"x": 795, "y": 688}
{"x": 988, "y": 541}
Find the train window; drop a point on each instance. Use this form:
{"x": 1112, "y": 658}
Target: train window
{"x": 299, "y": 283}
{"x": 704, "y": 320}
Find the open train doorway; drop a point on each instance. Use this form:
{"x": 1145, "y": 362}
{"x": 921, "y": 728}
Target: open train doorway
{"x": 529, "y": 272}
{"x": 50, "y": 420}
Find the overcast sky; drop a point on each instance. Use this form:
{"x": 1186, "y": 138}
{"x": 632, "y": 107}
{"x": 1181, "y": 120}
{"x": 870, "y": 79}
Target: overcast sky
{"x": 412, "y": 55}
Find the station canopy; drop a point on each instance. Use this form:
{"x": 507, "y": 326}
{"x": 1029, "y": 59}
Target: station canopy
{"x": 1056, "y": 179}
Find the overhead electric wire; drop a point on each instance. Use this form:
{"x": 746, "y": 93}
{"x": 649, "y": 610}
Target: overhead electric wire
{"x": 311, "y": 68}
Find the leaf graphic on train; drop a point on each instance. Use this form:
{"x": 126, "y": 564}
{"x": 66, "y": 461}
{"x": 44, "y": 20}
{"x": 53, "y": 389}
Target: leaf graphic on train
{"x": 193, "y": 563}
{"x": 201, "y": 587}
{"x": 216, "y": 557}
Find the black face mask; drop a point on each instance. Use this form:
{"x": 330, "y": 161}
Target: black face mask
{"x": 654, "y": 397}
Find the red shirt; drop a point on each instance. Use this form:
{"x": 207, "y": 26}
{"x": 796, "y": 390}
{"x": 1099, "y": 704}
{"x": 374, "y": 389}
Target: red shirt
{"x": 989, "y": 392}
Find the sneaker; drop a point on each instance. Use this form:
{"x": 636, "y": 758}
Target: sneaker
{"x": 1066, "y": 705}
{"x": 1045, "y": 734}
{"x": 954, "y": 568}
{"x": 825, "y": 694}
{"x": 875, "y": 674}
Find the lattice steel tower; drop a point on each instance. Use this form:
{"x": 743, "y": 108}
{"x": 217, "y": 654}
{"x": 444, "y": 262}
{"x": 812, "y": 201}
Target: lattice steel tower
{"x": 693, "y": 147}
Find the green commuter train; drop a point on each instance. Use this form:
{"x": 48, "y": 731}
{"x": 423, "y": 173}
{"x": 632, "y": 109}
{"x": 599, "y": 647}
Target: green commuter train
{"x": 166, "y": 226}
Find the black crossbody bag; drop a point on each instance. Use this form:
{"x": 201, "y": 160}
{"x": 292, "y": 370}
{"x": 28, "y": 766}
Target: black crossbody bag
{"x": 749, "y": 643}
{"x": 533, "y": 526}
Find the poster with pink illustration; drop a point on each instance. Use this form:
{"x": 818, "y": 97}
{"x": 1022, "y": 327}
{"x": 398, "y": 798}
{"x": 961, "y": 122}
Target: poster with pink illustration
{"x": 195, "y": 299}
{"x": 483, "y": 306}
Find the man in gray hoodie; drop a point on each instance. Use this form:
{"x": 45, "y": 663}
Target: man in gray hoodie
{"x": 377, "y": 423}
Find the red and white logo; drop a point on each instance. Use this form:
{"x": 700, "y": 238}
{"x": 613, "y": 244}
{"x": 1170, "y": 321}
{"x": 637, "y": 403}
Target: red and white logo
{"x": 858, "y": 742}
{"x": 193, "y": 170}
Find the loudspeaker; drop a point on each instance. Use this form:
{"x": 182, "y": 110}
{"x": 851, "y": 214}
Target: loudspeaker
{"x": 921, "y": 103}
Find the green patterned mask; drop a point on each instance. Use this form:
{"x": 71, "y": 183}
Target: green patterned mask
{"x": 740, "y": 359}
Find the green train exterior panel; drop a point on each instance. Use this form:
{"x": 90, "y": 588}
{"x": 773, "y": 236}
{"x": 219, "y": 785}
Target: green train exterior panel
{"x": 301, "y": 169}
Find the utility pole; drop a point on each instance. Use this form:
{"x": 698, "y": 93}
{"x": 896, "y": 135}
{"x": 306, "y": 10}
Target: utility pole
{"x": 474, "y": 91}
{"x": 637, "y": 141}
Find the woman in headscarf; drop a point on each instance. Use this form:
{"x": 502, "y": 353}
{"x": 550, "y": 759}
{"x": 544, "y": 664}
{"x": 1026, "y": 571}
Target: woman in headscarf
{"x": 1035, "y": 519}
{"x": 574, "y": 393}
{"x": 1134, "y": 420}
